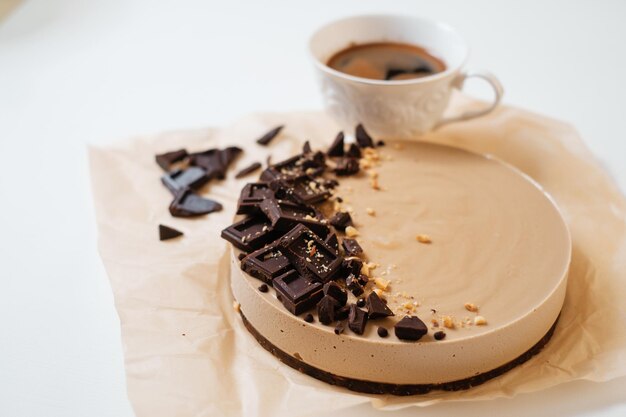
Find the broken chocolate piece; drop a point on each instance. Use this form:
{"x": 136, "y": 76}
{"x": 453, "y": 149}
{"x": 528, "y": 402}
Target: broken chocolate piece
{"x": 352, "y": 247}
{"x": 306, "y": 148}
{"x": 252, "y": 195}
{"x": 297, "y": 293}
{"x": 166, "y": 232}
{"x": 340, "y": 327}
{"x": 263, "y": 288}
{"x": 332, "y": 241}
{"x": 266, "y": 264}
{"x": 250, "y": 233}
{"x": 269, "y": 136}
{"x": 352, "y": 282}
{"x": 376, "y": 307}
{"x": 341, "y": 313}
{"x": 354, "y": 151}
{"x": 347, "y": 166}
{"x": 284, "y": 215}
{"x": 166, "y": 160}
{"x": 360, "y": 302}
{"x": 248, "y": 170}
{"x": 333, "y": 289}
{"x": 304, "y": 190}
{"x": 352, "y": 266}
{"x": 382, "y": 332}
{"x": 440, "y": 335}
{"x": 309, "y": 318}
{"x": 309, "y": 254}
{"x": 192, "y": 177}
{"x": 357, "y": 319}
{"x": 326, "y": 309}
{"x": 363, "y": 138}
{"x": 363, "y": 279}
{"x": 336, "y": 148}
{"x": 188, "y": 204}
{"x": 215, "y": 161}
{"x": 290, "y": 168}
{"x": 341, "y": 220}
{"x": 410, "y": 328}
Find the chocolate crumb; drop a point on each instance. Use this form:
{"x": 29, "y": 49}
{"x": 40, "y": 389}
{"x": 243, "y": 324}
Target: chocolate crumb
{"x": 263, "y": 288}
{"x": 340, "y": 327}
{"x": 248, "y": 170}
{"x": 309, "y": 318}
{"x": 269, "y": 136}
{"x": 382, "y": 332}
{"x": 440, "y": 335}
{"x": 380, "y": 143}
{"x": 360, "y": 302}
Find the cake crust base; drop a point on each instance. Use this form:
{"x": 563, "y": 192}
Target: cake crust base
{"x": 372, "y": 387}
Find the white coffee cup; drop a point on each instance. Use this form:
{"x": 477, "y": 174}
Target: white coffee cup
{"x": 399, "y": 109}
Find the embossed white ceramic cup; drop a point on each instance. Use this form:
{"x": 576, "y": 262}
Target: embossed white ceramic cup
{"x": 400, "y": 109}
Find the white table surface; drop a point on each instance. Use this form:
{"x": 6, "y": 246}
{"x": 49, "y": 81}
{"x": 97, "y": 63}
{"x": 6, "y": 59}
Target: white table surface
{"x": 74, "y": 72}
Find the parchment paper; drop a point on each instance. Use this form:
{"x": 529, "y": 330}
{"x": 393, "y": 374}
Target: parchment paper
{"x": 187, "y": 353}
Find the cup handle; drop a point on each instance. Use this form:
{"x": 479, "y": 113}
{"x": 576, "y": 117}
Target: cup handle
{"x": 458, "y": 83}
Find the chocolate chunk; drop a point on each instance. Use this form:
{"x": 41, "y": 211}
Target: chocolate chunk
{"x": 297, "y": 293}
{"x": 410, "y": 328}
{"x": 166, "y": 160}
{"x": 336, "y": 148}
{"x": 382, "y": 332}
{"x": 357, "y": 319}
{"x": 354, "y": 151}
{"x": 303, "y": 190}
{"x": 333, "y": 289}
{"x": 248, "y": 170}
{"x": 440, "y": 335}
{"x": 380, "y": 143}
{"x": 166, "y": 232}
{"x": 250, "y": 233}
{"x": 376, "y": 307}
{"x": 340, "y": 327}
{"x": 360, "y": 302}
{"x": 215, "y": 161}
{"x": 290, "y": 168}
{"x": 263, "y": 288}
{"x": 266, "y": 264}
{"x": 341, "y": 313}
{"x": 351, "y": 266}
{"x": 252, "y": 195}
{"x": 341, "y": 220}
{"x": 192, "y": 177}
{"x": 284, "y": 215}
{"x": 326, "y": 309}
{"x": 269, "y": 136}
{"x": 352, "y": 247}
{"x": 306, "y": 148}
{"x": 332, "y": 241}
{"x": 352, "y": 282}
{"x": 363, "y": 138}
{"x": 346, "y": 167}
{"x": 241, "y": 256}
{"x": 363, "y": 279}
{"x": 188, "y": 204}
{"x": 309, "y": 254}
{"x": 309, "y": 318}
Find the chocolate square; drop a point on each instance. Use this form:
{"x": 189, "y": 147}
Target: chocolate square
{"x": 250, "y": 233}
{"x": 252, "y": 195}
{"x": 297, "y": 293}
{"x": 266, "y": 264}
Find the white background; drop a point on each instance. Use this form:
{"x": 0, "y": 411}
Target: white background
{"x": 74, "y": 72}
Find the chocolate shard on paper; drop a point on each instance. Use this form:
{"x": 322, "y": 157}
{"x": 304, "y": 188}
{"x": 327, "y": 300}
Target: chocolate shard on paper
{"x": 248, "y": 170}
{"x": 376, "y": 307}
{"x": 250, "y": 233}
{"x": 353, "y": 284}
{"x": 332, "y": 241}
{"x": 297, "y": 293}
{"x": 252, "y": 195}
{"x": 266, "y": 264}
{"x": 284, "y": 215}
{"x": 352, "y": 247}
{"x": 166, "y": 232}
{"x": 341, "y": 220}
{"x": 166, "y": 160}
{"x": 347, "y": 166}
{"x": 215, "y": 161}
{"x": 410, "y": 328}
{"x": 336, "y": 148}
{"x": 363, "y": 138}
{"x": 357, "y": 319}
{"x": 309, "y": 254}
{"x": 191, "y": 177}
{"x": 326, "y": 309}
{"x": 331, "y": 288}
{"x": 188, "y": 204}
{"x": 354, "y": 151}
{"x": 269, "y": 136}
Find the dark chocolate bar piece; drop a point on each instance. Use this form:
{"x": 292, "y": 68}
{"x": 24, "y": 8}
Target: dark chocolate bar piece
{"x": 363, "y": 138}
{"x": 410, "y": 328}
{"x": 336, "y": 148}
{"x": 192, "y": 177}
{"x": 309, "y": 254}
{"x": 357, "y": 319}
{"x": 269, "y": 136}
{"x": 297, "y": 293}
{"x": 166, "y": 232}
{"x": 341, "y": 220}
{"x": 352, "y": 282}
{"x": 188, "y": 204}
{"x": 166, "y": 160}
{"x": 248, "y": 170}
{"x": 354, "y": 151}
{"x": 351, "y": 266}
{"x": 252, "y": 195}
{"x": 266, "y": 264}
{"x": 290, "y": 168}
{"x": 333, "y": 289}
{"x": 347, "y": 166}
{"x": 376, "y": 307}
{"x": 303, "y": 190}
{"x": 250, "y": 233}
{"x": 284, "y": 215}
{"x": 352, "y": 247}
{"x": 326, "y": 309}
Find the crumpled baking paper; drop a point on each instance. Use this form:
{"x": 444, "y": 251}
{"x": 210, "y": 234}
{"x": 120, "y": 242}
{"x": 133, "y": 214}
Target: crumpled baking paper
{"x": 187, "y": 352}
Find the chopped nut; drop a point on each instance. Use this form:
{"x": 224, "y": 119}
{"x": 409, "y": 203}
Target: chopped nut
{"x": 372, "y": 265}
{"x": 408, "y": 306}
{"x": 373, "y": 174}
{"x": 374, "y": 184}
{"x": 448, "y": 322}
{"x": 435, "y": 322}
{"x": 383, "y": 284}
{"x": 480, "y": 321}
{"x": 423, "y": 239}
{"x": 351, "y": 231}
{"x": 370, "y": 211}
{"x": 471, "y": 307}
{"x": 236, "y": 306}
{"x": 365, "y": 270}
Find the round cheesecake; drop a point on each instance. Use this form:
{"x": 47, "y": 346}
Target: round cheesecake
{"x": 466, "y": 243}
